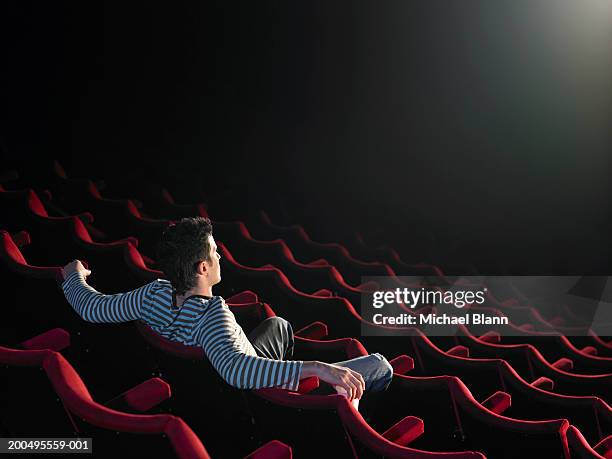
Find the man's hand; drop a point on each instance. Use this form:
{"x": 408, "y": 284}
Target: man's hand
{"x": 349, "y": 380}
{"x": 75, "y": 266}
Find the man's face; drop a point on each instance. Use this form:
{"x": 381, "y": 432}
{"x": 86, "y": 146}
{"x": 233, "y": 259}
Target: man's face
{"x": 212, "y": 264}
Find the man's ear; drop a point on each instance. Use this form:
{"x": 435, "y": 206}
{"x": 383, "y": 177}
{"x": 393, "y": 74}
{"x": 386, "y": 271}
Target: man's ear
{"x": 201, "y": 268}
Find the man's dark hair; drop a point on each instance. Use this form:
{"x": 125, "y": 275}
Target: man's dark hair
{"x": 182, "y": 246}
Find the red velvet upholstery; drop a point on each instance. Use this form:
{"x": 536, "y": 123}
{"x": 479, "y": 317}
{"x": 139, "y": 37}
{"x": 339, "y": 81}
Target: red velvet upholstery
{"x": 316, "y": 330}
{"x": 10, "y": 250}
{"x": 272, "y": 450}
{"x": 402, "y": 364}
{"x": 405, "y": 431}
{"x": 10, "y": 356}
{"x": 146, "y": 395}
{"x": 13, "y": 258}
{"x": 55, "y": 340}
{"x": 242, "y": 298}
{"x": 73, "y": 392}
{"x": 185, "y": 442}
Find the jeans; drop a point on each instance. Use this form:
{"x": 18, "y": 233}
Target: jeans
{"x": 273, "y": 338}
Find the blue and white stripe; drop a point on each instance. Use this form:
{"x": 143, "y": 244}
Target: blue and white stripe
{"x": 208, "y": 323}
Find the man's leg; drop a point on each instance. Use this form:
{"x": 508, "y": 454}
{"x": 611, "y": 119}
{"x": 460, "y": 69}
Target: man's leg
{"x": 273, "y": 338}
{"x": 377, "y": 372}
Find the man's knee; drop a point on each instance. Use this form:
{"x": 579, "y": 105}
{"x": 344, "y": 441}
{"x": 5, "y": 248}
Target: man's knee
{"x": 384, "y": 373}
{"x": 282, "y": 327}
{"x": 277, "y": 322}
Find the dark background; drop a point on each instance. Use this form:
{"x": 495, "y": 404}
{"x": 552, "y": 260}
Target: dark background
{"x": 460, "y": 132}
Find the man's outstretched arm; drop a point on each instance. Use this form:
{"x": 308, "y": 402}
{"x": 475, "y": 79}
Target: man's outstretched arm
{"x": 94, "y": 306}
{"x": 244, "y": 371}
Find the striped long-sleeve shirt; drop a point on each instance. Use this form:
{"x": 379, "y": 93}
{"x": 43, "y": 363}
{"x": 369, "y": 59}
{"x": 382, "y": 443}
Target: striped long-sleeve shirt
{"x": 200, "y": 321}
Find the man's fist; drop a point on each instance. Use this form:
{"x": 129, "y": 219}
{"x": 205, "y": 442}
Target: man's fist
{"x": 75, "y": 266}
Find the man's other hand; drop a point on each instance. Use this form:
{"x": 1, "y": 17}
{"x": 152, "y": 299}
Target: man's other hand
{"x": 75, "y": 266}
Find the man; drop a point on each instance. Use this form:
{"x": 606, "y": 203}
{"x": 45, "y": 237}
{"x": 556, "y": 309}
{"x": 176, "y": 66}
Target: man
{"x": 184, "y": 309}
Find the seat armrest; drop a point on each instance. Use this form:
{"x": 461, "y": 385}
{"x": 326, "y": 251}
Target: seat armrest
{"x": 315, "y": 330}
{"x": 272, "y": 450}
{"x": 142, "y": 397}
{"x": 55, "y": 339}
